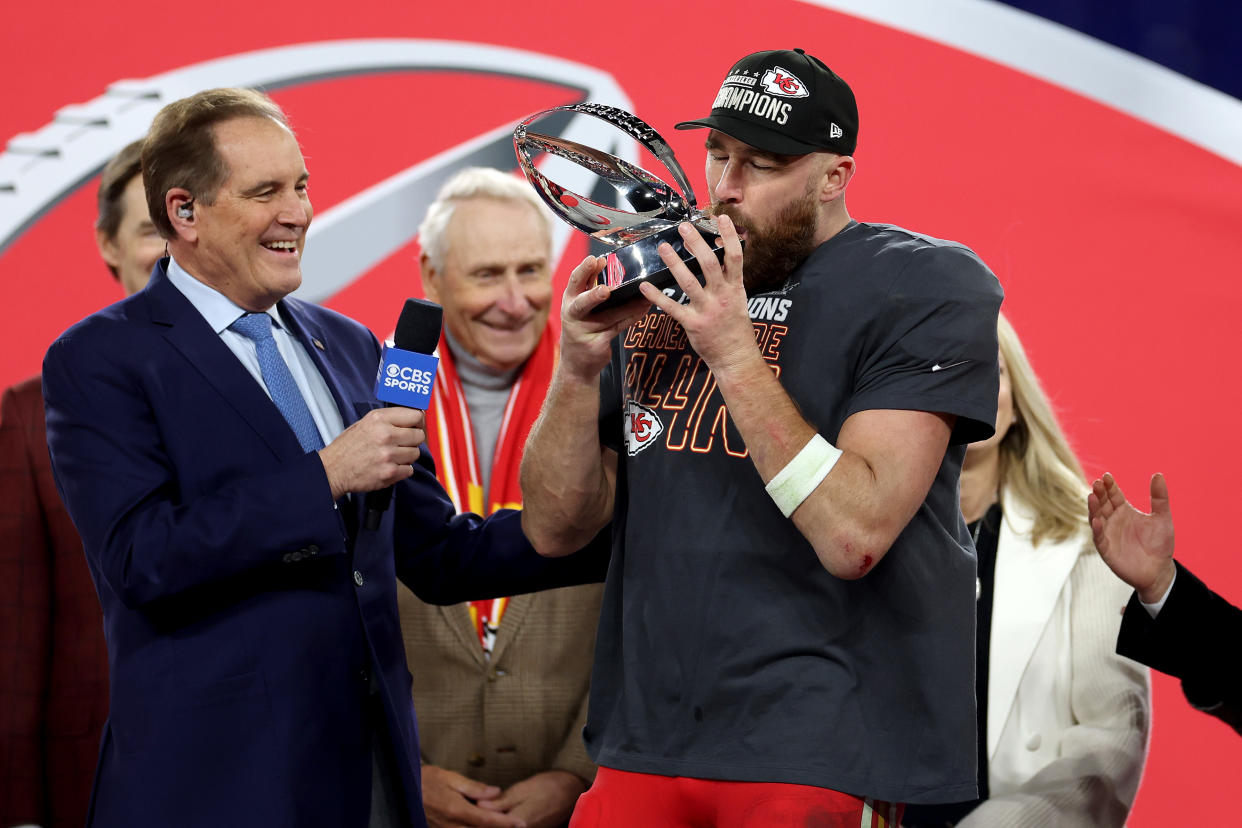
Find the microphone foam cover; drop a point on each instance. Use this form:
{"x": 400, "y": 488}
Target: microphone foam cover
{"x": 418, "y": 328}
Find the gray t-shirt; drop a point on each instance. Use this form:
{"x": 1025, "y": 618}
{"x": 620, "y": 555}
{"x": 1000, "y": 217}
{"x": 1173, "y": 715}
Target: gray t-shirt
{"x": 725, "y": 649}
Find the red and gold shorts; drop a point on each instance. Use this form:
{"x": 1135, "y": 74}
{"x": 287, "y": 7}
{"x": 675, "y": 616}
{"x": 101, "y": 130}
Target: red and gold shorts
{"x": 621, "y": 799}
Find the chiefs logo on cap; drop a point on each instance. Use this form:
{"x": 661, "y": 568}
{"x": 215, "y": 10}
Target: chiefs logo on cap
{"x": 641, "y": 426}
{"x": 778, "y": 81}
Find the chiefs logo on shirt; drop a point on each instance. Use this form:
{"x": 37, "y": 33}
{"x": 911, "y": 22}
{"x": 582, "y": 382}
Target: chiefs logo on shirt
{"x": 778, "y": 81}
{"x": 641, "y": 426}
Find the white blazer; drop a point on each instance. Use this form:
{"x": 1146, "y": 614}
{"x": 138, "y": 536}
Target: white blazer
{"x": 1068, "y": 718}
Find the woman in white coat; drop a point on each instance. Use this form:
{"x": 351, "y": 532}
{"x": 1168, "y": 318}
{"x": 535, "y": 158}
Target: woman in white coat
{"x": 1063, "y": 720}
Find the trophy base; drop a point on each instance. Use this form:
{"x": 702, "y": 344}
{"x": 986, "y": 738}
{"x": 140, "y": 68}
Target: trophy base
{"x": 631, "y": 265}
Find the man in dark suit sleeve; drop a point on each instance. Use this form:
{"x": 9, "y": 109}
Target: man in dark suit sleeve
{"x": 1173, "y": 622}
{"x": 54, "y": 673}
{"x": 212, "y": 439}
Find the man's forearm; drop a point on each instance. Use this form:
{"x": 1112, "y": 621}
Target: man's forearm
{"x": 774, "y": 431}
{"x": 567, "y": 489}
{"x": 853, "y": 516}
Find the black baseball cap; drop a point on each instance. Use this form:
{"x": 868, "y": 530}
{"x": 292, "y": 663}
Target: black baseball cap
{"x": 785, "y": 102}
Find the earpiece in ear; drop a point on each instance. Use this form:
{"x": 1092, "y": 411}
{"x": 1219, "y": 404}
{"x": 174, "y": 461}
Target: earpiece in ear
{"x": 186, "y": 211}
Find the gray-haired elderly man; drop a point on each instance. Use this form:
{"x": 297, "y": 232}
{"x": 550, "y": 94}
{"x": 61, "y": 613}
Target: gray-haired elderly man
{"x": 500, "y": 686}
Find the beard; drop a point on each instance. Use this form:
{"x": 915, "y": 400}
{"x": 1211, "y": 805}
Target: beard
{"x": 774, "y": 249}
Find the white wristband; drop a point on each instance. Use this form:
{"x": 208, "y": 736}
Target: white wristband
{"x": 794, "y": 483}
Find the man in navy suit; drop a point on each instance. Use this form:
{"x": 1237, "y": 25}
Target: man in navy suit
{"x": 1174, "y": 623}
{"x": 211, "y": 439}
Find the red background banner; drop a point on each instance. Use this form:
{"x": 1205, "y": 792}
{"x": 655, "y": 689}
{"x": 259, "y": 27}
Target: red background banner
{"x": 1117, "y": 243}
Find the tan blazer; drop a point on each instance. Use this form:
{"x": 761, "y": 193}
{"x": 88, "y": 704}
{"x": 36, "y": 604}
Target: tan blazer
{"x": 520, "y": 714}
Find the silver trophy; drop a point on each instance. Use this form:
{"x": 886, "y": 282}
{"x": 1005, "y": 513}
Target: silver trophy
{"x": 658, "y": 206}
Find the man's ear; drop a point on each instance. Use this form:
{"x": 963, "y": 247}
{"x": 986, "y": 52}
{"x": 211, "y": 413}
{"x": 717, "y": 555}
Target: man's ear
{"x": 837, "y": 176}
{"x": 108, "y": 251}
{"x": 179, "y": 204}
{"x": 429, "y": 277}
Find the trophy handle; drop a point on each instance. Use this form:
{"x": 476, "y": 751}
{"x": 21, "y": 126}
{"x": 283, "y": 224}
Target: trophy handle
{"x": 644, "y": 134}
{"x": 656, "y": 202}
{"x": 636, "y": 236}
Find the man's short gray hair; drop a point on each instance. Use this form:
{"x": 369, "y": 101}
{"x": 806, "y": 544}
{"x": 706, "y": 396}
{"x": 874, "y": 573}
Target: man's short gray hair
{"x": 475, "y": 182}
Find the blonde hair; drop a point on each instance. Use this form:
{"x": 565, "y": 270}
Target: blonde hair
{"x": 1036, "y": 462}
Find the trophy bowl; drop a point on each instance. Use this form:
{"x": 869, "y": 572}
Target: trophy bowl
{"x": 635, "y": 235}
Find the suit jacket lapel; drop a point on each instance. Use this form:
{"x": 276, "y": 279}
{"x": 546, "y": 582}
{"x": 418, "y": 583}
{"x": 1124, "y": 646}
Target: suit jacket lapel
{"x": 311, "y": 335}
{"x": 315, "y": 342}
{"x": 1028, "y": 582}
{"x": 189, "y": 333}
{"x": 510, "y": 623}
{"x": 457, "y": 619}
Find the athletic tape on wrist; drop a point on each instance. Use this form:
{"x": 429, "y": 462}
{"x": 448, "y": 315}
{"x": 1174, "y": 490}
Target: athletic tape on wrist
{"x": 794, "y": 483}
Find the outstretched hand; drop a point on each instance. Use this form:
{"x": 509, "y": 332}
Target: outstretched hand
{"x": 1137, "y": 546}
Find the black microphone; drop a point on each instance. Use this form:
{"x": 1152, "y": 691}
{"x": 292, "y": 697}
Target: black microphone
{"x": 416, "y": 337}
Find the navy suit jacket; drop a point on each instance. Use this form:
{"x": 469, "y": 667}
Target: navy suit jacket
{"x": 246, "y": 614}
{"x": 1195, "y": 638}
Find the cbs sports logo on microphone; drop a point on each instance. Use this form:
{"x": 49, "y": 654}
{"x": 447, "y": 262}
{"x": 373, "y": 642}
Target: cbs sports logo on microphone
{"x": 406, "y": 377}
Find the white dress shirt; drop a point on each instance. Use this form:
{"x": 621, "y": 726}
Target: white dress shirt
{"x": 220, "y": 312}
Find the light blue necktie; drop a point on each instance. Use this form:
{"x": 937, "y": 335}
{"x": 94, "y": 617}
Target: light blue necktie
{"x": 257, "y": 327}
